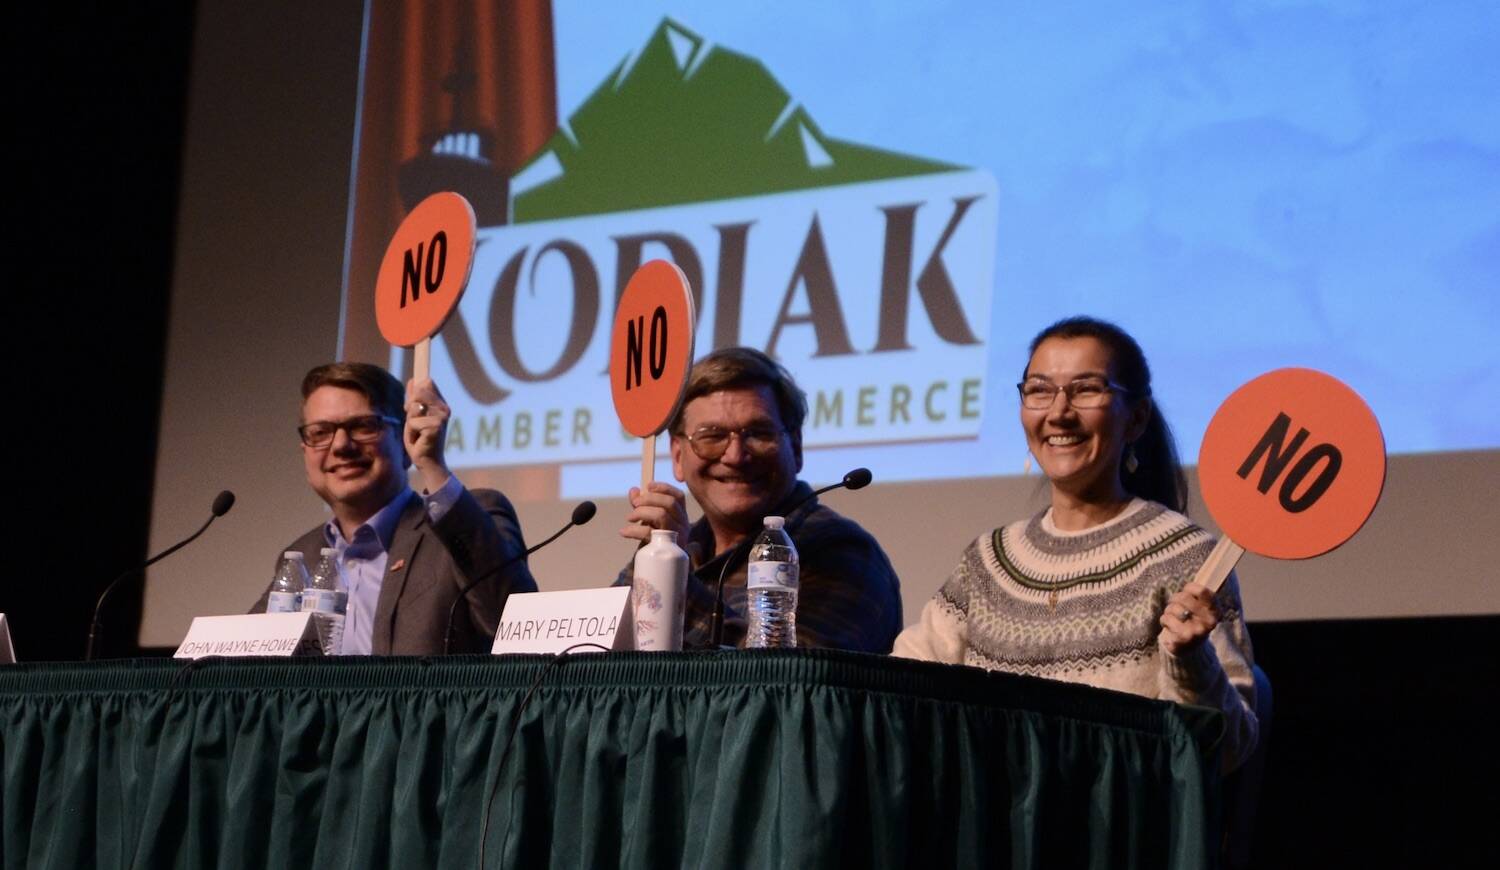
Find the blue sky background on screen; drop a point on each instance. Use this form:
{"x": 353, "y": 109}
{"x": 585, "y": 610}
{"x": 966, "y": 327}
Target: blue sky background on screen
{"x": 1243, "y": 186}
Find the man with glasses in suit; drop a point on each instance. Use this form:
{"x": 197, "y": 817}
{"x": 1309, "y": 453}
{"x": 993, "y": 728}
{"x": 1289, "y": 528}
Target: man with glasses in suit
{"x": 403, "y": 556}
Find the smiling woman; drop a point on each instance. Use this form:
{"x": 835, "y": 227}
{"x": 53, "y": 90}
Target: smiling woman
{"x": 1095, "y": 589}
{"x": 1106, "y": 441}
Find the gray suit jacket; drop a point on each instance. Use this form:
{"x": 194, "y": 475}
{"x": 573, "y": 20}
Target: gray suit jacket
{"x": 427, "y": 566}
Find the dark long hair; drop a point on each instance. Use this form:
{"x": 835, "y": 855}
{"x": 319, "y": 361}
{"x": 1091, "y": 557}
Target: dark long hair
{"x": 1158, "y": 476}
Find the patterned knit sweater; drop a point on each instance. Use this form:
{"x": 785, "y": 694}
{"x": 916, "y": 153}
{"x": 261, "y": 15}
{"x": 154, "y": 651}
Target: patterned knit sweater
{"x": 1083, "y": 607}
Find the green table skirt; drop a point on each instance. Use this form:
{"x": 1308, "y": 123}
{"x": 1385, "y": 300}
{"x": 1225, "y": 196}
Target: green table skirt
{"x": 734, "y": 759}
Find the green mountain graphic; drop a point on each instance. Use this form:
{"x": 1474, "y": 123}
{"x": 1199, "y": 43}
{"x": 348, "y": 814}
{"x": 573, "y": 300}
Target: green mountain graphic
{"x": 689, "y": 122}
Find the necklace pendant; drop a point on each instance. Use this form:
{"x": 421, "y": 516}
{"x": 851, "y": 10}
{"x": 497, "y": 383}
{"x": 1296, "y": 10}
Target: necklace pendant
{"x": 1052, "y": 600}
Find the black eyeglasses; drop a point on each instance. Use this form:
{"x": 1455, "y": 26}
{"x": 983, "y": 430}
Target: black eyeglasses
{"x": 1038, "y": 394}
{"x": 319, "y": 433}
{"x": 710, "y": 442}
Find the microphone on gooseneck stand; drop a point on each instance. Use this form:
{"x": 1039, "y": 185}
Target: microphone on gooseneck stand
{"x": 859, "y": 478}
{"x": 582, "y": 513}
{"x": 222, "y": 503}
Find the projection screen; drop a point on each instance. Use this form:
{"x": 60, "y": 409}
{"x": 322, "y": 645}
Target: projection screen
{"x": 890, "y": 198}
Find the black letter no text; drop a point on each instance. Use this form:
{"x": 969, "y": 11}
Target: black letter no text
{"x": 635, "y": 346}
{"x": 1278, "y": 457}
{"x": 415, "y": 277}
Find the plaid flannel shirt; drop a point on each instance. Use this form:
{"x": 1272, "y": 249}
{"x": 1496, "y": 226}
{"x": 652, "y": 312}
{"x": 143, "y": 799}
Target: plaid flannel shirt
{"x": 848, "y": 598}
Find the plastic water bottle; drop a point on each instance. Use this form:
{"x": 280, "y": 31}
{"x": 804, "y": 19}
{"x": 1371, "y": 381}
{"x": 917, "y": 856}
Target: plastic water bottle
{"x": 286, "y": 588}
{"x": 326, "y": 597}
{"x": 659, "y": 592}
{"x": 772, "y": 587}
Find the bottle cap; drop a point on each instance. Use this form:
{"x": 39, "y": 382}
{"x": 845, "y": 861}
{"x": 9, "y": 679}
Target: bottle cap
{"x": 292, "y": 554}
{"x": 328, "y": 551}
{"x": 667, "y": 534}
{"x": 775, "y": 522}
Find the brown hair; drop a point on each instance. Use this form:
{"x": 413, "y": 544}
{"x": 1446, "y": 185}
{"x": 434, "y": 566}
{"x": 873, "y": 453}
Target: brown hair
{"x": 384, "y": 393}
{"x": 736, "y": 367}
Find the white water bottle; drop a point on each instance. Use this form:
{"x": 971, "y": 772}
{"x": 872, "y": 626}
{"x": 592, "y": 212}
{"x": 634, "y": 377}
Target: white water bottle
{"x": 659, "y": 592}
{"x": 286, "y": 588}
{"x": 326, "y": 597}
{"x": 772, "y": 588}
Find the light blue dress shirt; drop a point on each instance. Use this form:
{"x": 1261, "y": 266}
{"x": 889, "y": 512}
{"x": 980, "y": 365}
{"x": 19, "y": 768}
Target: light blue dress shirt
{"x": 362, "y": 561}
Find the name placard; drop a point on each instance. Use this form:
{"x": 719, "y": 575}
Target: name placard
{"x": 254, "y": 634}
{"x": 550, "y": 622}
{"x": 7, "y": 652}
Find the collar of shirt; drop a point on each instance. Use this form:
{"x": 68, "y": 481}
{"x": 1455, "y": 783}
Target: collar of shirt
{"x": 362, "y": 566}
{"x": 377, "y": 530}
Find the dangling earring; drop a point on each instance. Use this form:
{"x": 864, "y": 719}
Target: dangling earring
{"x": 1131, "y": 463}
{"x": 1026, "y": 468}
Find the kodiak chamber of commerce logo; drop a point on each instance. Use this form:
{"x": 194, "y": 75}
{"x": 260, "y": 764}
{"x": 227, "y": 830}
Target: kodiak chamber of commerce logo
{"x": 868, "y": 273}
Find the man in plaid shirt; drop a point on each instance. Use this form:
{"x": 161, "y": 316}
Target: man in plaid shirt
{"x": 737, "y": 445}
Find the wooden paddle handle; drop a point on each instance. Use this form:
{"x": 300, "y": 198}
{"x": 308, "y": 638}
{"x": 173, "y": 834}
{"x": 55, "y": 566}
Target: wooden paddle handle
{"x": 1219, "y": 563}
{"x": 421, "y": 367}
{"x": 648, "y": 461}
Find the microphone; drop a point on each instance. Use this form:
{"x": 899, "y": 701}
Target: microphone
{"x": 859, "y": 478}
{"x": 582, "y": 513}
{"x": 225, "y": 500}
{"x": 222, "y": 503}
